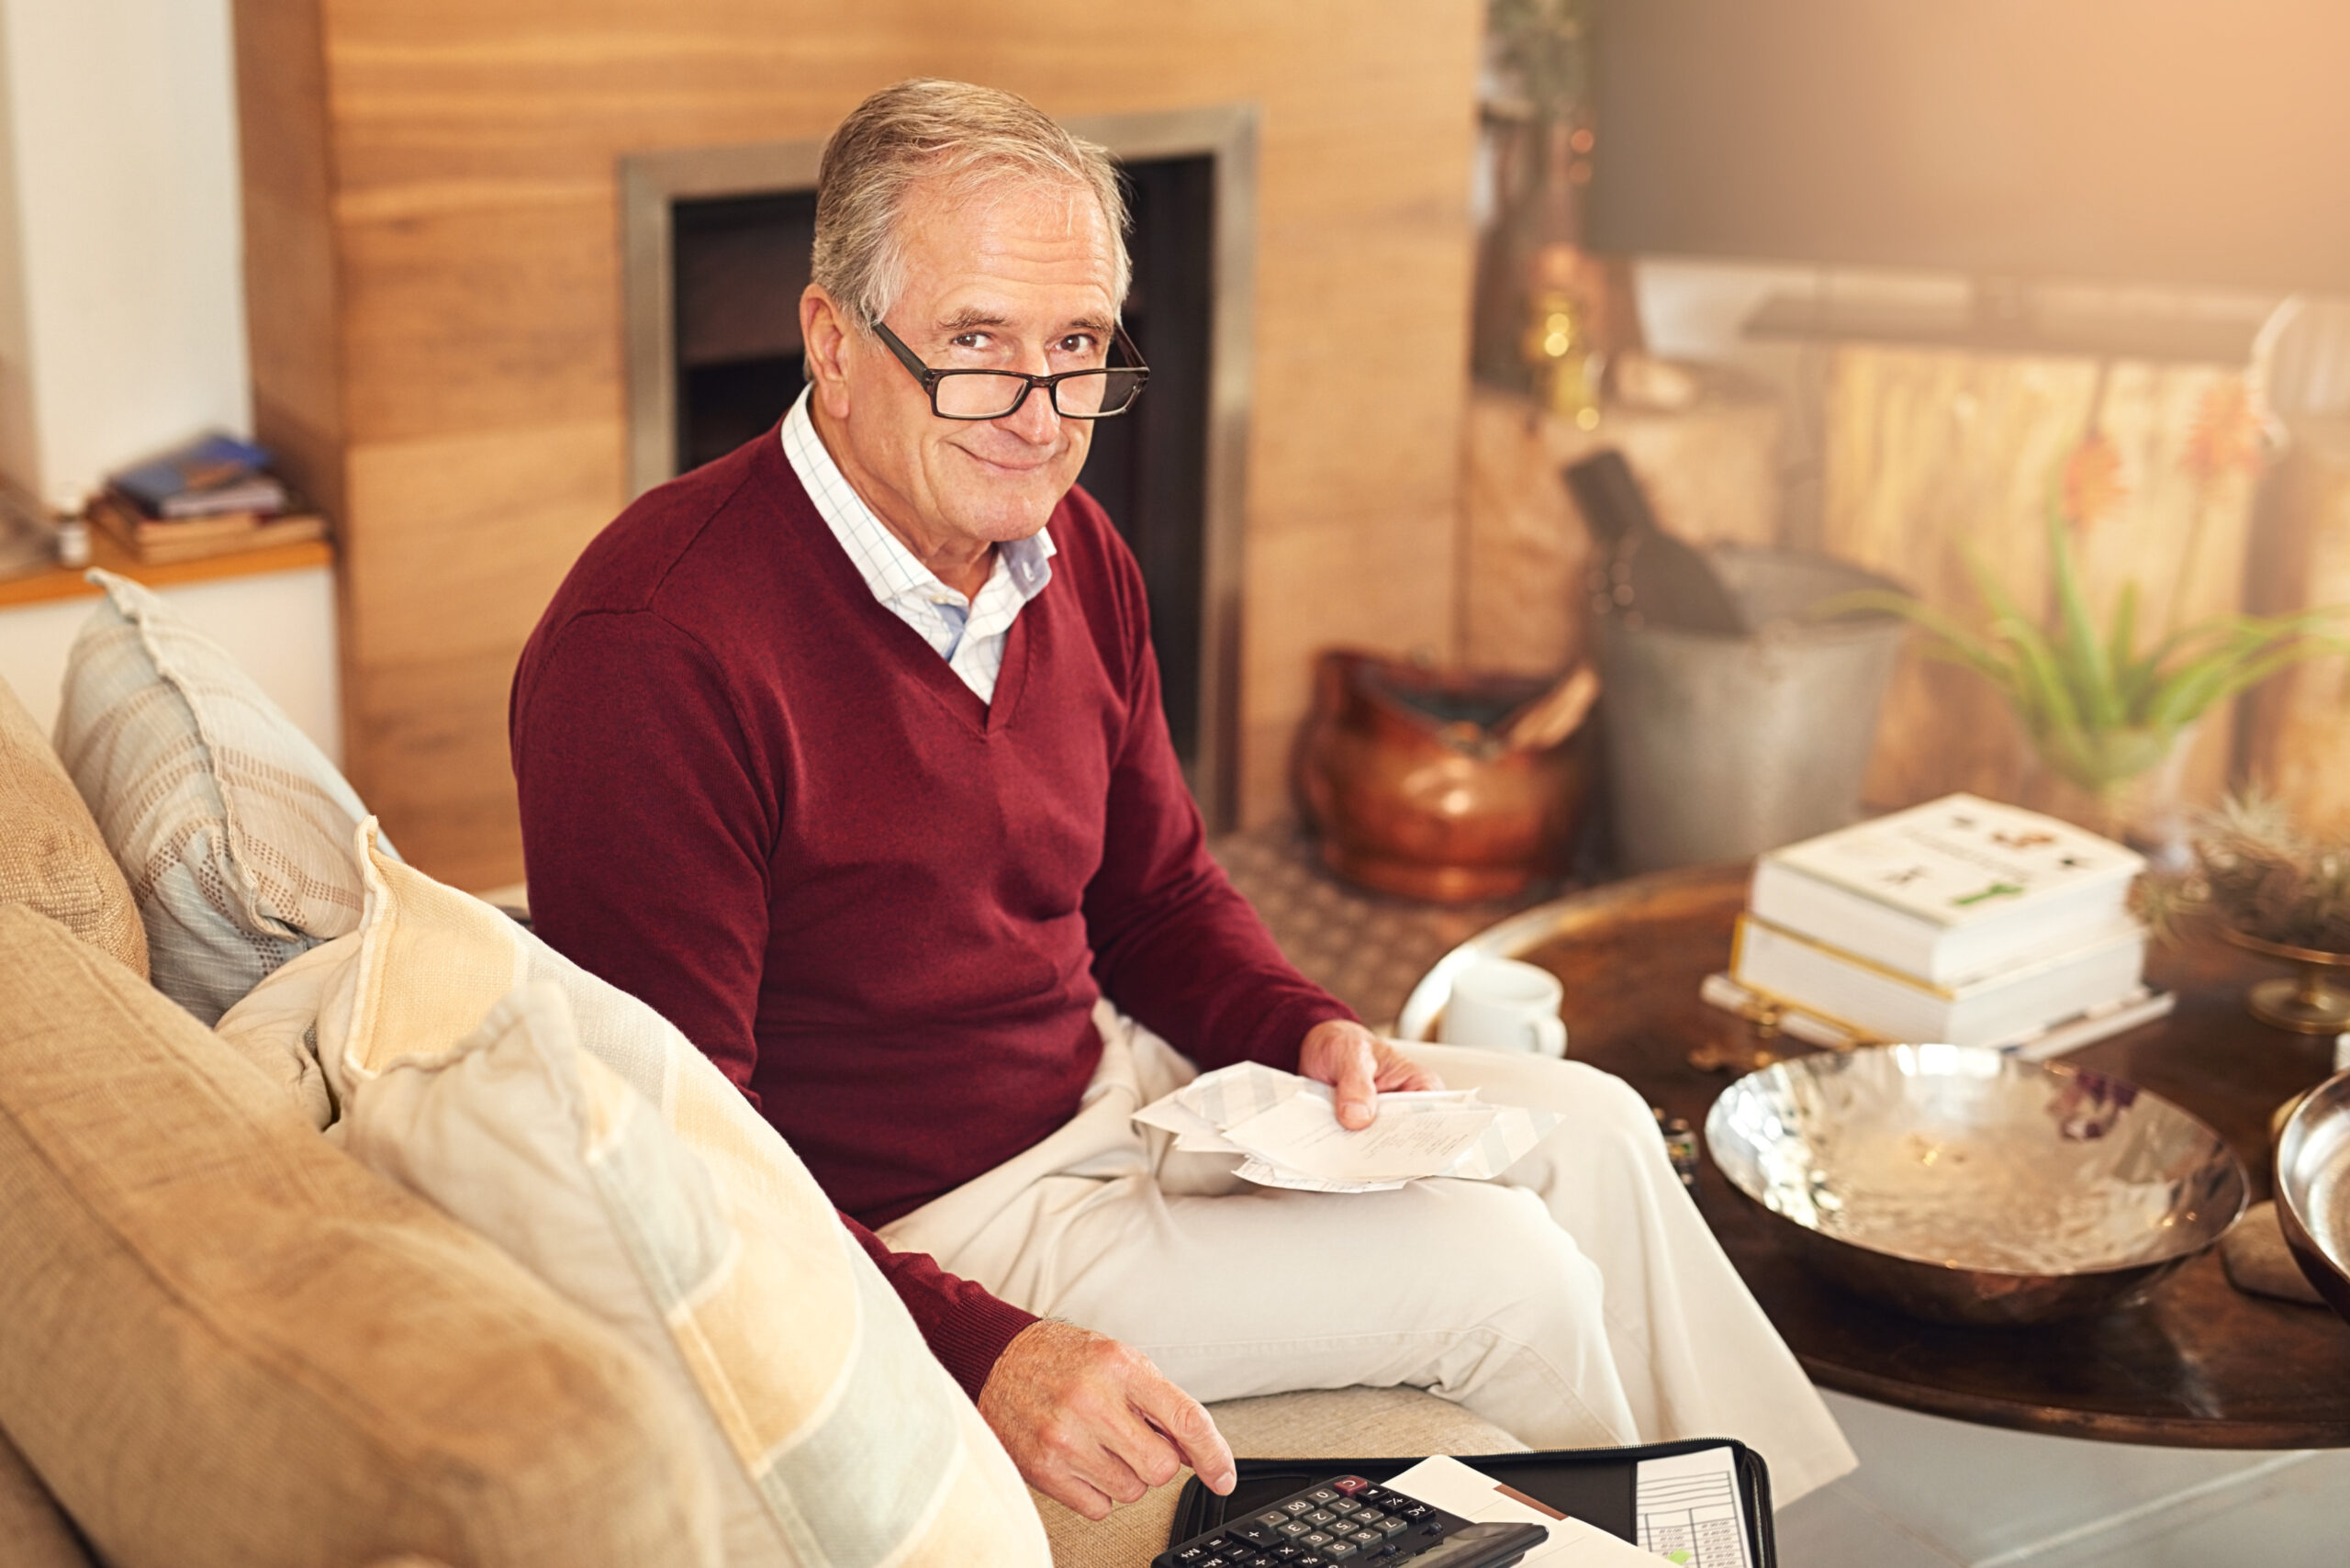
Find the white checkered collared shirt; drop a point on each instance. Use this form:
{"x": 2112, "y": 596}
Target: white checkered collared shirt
{"x": 968, "y": 633}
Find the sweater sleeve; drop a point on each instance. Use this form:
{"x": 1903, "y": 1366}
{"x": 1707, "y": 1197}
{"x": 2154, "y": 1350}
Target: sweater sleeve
{"x": 1175, "y": 944}
{"x": 647, "y": 819}
{"x": 645, "y": 822}
{"x": 965, "y": 1327}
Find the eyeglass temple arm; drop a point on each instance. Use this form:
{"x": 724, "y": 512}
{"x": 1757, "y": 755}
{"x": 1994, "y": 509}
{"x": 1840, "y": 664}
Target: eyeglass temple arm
{"x": 906, "y": 356}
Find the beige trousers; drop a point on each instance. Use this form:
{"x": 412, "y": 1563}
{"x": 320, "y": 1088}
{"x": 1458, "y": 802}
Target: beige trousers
{"x": 1579, "y": 1301}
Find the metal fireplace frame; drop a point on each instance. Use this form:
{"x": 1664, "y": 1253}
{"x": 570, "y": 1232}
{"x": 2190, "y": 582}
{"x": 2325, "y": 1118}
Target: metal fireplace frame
{"x": 651, "y": 183}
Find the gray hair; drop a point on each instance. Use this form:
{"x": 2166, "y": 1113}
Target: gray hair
{"x": 923, "y": 128}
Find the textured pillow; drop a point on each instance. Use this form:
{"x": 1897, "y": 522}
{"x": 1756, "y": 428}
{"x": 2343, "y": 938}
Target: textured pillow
{"x": 540, "y": 1148}
{"x": 51, "y": 855}
{"x": 275, "y": 1027}
{"x": 227, "y": 1343}
{"x": 233, "y": 829}
{"x": 37, "y": 1536}
{"x": 855, "y": 1445}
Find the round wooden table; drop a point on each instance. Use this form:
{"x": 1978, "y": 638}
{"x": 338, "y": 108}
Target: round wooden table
{"x": 2196, "y": 1364}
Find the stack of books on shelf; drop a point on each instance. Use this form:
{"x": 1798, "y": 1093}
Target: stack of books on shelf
{"x": 1962, "y": 921}
{"x": 213, "y": 495}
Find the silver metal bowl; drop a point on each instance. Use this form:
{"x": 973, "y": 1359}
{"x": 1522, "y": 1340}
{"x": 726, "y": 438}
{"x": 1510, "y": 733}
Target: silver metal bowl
{"x": 1963, "y": 1185}
{"x": 2313, "y": 1188}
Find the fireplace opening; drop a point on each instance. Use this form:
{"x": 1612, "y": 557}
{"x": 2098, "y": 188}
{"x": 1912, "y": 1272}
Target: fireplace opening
{"x": 717, "y": 244}
{"x": 740, "y": 264}
{"x": 1148, "y": 469}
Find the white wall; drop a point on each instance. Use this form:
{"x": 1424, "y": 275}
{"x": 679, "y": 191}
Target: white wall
{"x": 278, "y": 626}
{"x": 122, "y": 323}
{"x": 122, "y": 309}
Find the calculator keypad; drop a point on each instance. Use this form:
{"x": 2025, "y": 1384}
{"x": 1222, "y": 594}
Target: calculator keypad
{"x": 1345, "y": 1523}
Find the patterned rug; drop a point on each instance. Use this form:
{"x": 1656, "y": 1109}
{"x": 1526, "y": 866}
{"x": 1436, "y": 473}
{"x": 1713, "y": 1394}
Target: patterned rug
{"x": 1368, "y": 949}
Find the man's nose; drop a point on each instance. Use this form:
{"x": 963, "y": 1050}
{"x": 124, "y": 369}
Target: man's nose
{"x": 1035, "y": 421}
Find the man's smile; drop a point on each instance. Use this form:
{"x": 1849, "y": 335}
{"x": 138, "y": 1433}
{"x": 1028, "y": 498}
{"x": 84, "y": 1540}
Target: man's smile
{"x": 1045, "y": 461}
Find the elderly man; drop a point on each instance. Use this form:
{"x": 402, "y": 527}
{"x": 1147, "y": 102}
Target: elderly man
{"x": 846, "y": 753}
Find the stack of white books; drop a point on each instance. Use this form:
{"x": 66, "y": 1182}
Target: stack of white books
{"x": 1962, "y": 921}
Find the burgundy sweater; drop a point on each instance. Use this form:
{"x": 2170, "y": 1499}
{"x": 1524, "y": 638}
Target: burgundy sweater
{"x": 755, "y": 799}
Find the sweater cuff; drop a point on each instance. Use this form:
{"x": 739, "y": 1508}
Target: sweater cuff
{"x": 969, "y": 1340}
{"x": 1283, "y": 1034}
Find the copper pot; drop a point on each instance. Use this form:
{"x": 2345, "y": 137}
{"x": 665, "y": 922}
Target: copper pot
{"x": 1452, "y": 786}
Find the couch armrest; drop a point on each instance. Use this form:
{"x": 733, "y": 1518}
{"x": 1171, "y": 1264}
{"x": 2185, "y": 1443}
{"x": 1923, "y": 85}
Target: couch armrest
{"x": 38, "y": 1533}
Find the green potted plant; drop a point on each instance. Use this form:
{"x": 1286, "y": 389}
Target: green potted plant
{"x": 2107, "y": 704}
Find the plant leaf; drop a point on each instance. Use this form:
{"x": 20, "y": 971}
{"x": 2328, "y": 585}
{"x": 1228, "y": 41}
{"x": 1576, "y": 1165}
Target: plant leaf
{"x": 2125, "y": 632}
{"x": 2081, "y": 652}
{"x": 2047, "y": 707}
{"x": 1954, "y": 642}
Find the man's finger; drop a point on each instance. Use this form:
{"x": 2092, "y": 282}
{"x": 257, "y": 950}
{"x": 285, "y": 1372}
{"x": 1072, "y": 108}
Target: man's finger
{"x": 1074, "y": 1495}
{"x": 1356, "y": 1087}
{"x": 1152, "y": 1457}
{"x": 1401, "y": 1074}
{"x": 1134, "y": 1454}
{"x": 1111, "y": 1472}
{"x": 1188, "y": 1426}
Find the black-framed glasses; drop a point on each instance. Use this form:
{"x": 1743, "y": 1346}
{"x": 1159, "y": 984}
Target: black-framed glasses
{"x": 998, "y": 394}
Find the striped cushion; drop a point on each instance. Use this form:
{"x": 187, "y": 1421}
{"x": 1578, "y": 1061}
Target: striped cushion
{"x": 585, "y": 1133}
{"x": 233, "y": 829}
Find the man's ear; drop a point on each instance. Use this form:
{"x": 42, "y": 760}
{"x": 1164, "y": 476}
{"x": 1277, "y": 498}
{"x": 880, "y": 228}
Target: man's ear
{"x": 825, "y": 331}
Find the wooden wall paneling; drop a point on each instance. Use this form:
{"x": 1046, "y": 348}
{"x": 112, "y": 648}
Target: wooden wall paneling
{"x": 469, "y": 168}
{"x": 481, "y": 315}
{"x": 292, "y": 307}
{"x": 489, "y": 502}
{"x": 1929, "y": 451}
{"x": 2298, "y": 738}
{"x": 469, "y": 535}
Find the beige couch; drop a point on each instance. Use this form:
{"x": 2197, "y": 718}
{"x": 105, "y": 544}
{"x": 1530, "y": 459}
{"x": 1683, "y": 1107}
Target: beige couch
{"x": 224, "y": 1341}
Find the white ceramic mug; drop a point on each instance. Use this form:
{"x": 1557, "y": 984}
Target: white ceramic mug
{"x": 1501, "y": 1004}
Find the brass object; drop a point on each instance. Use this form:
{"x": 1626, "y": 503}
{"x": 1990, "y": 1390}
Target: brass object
{"x": 1723, "y": 1057}
{"x": 1746, "y": 1055}
{"x": 1964, "y": 1185}
{"x": 1558, "y": 352}
{"x": 2313, "y": 1188}
{"x": 1443, "y": 785}
{"x": 2306, "y": 1003}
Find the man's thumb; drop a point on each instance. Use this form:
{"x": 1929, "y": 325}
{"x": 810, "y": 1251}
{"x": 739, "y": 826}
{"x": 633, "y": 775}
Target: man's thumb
{"x": 1355, "y": 1090}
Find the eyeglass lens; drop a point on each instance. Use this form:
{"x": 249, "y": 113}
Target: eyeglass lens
{"x": 989, "y": 395}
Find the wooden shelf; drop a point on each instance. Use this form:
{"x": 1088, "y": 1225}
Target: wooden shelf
{"x": 58, "y": 582}
{"x": 2160, "y": 339}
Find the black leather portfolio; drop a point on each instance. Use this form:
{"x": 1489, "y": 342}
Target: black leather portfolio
{"x": 1598, "y": 1485}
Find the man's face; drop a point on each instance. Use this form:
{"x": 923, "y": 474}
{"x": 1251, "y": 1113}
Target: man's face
{"x": 1013, "y": 276}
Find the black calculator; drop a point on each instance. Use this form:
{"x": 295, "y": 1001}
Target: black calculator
{"x": 1347, "y": 1522}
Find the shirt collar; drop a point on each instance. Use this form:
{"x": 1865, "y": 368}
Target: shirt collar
{"x": 889, "y": 569}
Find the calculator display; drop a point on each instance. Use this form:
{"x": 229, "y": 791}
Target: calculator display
{"x": 1481, "y": 1544}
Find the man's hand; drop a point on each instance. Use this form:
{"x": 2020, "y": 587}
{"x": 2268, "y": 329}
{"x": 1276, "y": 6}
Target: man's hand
{"x": 1092, "y": 1424}
{"x": 1358, "y": 1064}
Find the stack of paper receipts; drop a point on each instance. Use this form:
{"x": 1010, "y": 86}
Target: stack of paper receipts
{"x": 1287, "y": 1132}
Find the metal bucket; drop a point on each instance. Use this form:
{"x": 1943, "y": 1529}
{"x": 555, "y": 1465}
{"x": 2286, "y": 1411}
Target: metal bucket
{"x": 1721, "y": 747}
